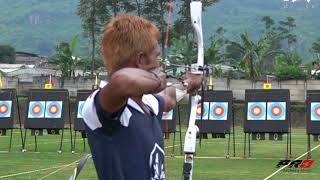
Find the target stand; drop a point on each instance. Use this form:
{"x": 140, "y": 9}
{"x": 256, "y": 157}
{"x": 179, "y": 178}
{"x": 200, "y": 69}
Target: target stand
{"x": 78, "y": 125}
{"x": 168, "y": 124}
{"x": 313, "y": 117}
{"x": 9, "y": 111}
{"x": 267, "y": 112}
{"x": 215, "y": 115}
{"x": 48, "y": 109}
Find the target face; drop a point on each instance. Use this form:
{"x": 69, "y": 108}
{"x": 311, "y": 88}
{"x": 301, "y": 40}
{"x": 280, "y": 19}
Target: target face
{"x": 218, "y": 111}
{"x": 205, "y": 111}
{"x": 53, "y": 109}
{"x": 5, "y": 108}
{"x": 167, "y": 115}
{"x": 80, "y": 107}
{"x": 315, "y": 111}
{"x": 276, "y": 111}
{"x": 256, "y": 111}
{"x": 36, "y": 109}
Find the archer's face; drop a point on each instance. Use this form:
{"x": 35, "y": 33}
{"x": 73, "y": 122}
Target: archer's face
{"x": 151, "y": 60}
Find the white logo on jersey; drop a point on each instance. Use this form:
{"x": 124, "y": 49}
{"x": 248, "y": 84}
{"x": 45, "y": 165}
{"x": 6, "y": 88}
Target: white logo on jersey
{"x": 157, "y": 163}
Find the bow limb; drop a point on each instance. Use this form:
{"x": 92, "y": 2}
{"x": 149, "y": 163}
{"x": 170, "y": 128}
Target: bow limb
{"x": 191, "y": 134}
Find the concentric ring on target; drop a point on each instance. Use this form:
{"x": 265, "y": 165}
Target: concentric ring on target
{"x": 80, "y": 109}
{"x": 53, "y": 109}
{"x": 205, "y": 110}
{"x": 167, "y": 115}
{"x": 315, "y": 111}
{"x": 256, "y": 111}
{"x": 36, "y": 109}
{"x": 276, "y": 111}
{"x": 5, "y": 109}
{"x": 219, "y": 111}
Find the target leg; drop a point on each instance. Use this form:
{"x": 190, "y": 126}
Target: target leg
{"x": 84, "y": 145}
{"x": 249, "y": 147}
{"x": 74, "y": 141}
{"x": 10, "y": 143}
{"x": 245, "y": 145}
{"x": 309, "y": 148}
{"x": 61, "y": 141}
{"x": 287, "y": 153}
{"x": 180, "y": 129}
{"x": 233, "y": 132}
{"x": 24, "y": 141}
{"x": 228, "y": 151}
{"x": 36, "y": 143}
{"x": 173, "y": 143}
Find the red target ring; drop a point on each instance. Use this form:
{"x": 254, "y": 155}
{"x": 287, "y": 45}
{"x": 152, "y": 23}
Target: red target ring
{"x": 256, "y": 110}
{"x": 199, "y": 110}
{"x": 317, "y": 111}
{"x": 218, "y": 111}
{"x": 36, "y": 109}
{"x": 4, "y": 109}
{"x": 54, "y": 109}
{"x": 276, "y": 111}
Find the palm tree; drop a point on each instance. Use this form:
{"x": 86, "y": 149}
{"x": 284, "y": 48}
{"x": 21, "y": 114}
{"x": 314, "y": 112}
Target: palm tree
{"x": 65, "y": 58}
{"x": 315, "y": 49}
{"x": 249, "y": 54}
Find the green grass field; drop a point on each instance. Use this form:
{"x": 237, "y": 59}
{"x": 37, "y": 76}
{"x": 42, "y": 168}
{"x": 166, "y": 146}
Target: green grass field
{"x": 210, "y": 162}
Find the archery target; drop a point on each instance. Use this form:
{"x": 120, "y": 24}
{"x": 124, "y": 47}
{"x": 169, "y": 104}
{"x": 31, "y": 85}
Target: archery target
{"x": 167, "y": 115}
{"x": 256, "y": 111}
{"x": 276, "y": 111}
{"x": 205, "y": 111}
{"x": 315, "y": 111}
{"x": 5, "y": 108}
{"x": 36, "y": 109}
{"x": 218, "y": 111}
{"x": 53, "y": 109}
{"x": 80, "y": 107}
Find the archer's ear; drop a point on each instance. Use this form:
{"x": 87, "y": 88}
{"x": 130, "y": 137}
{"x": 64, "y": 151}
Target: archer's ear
{"x": 141, "y": 61}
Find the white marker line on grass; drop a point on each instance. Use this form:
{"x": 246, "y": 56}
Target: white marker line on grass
{"x": 33, "y": 171}
{"x": 65, "y": 166}
{"x": 289, "y": 163}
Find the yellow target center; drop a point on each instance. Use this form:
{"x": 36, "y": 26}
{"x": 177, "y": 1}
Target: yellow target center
{"x": 218, "y": 111}
{"x": 36, "y": 109}
{"x": 256, "y": 111}
{"x": 53, "y": 109}
{"x": 199, "y": 111}
{"x": 3, "y": 109}
{"x": 276, "y": 110}
{"x": 318, "y": 111}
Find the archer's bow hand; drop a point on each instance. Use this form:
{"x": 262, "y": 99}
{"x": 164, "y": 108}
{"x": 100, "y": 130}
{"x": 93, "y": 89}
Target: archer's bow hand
{"x": 192, "y": 82}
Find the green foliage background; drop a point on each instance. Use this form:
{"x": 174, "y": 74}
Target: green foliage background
{"x": 58, "y": 21}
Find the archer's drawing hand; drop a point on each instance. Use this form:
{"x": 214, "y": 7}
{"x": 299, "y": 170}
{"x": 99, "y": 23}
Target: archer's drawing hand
{"x": 192, "y": 82}
{"x": 162, "y": 77}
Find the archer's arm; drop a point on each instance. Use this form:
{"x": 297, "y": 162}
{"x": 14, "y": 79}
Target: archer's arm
{"x": 129, "y": 82}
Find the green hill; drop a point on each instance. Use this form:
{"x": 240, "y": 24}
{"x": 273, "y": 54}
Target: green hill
{"x": 37, "y": 25}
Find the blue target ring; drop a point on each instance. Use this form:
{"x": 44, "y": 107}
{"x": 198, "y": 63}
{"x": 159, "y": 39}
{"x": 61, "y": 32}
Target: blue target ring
{"x": 53, "y": 109}
{"x": 36, "y": 109}
{"x": 205, "y": 110}
{"x": 261, "y": 114}
{"x": 80, "y": 108}
{"x": 167, "y": 115}
{"x": 314, "y": 111}
{"x": 274, "y": 105}
{"x": 7, "y": 109}
{"x": 222, "y": 108}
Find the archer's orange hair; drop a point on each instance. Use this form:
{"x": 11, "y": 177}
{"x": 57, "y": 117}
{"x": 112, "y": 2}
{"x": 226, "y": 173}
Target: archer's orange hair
{"x": 124, "y": 37}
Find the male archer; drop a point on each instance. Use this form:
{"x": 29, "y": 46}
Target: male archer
{"x": 121, "y": 118}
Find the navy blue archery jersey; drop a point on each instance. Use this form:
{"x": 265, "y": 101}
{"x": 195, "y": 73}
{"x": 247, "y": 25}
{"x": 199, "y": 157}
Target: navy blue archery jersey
{"x": 128, "y": 144}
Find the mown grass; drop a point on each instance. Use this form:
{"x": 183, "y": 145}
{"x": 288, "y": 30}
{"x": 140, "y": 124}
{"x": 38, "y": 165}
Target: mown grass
{"x": 210, "y": 162}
